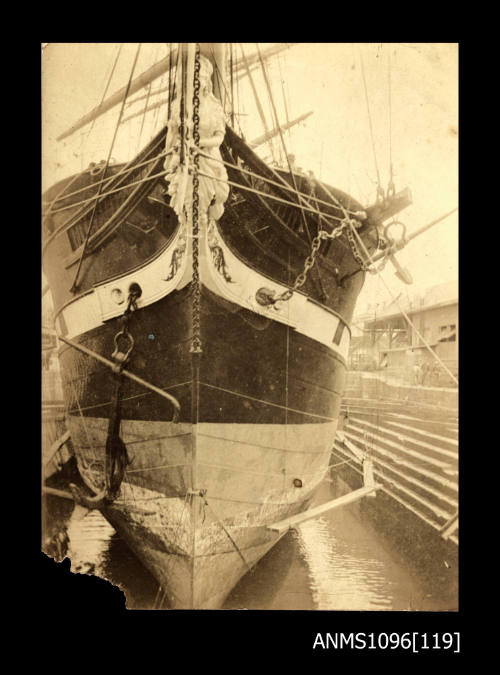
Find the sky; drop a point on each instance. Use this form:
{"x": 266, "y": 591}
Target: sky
{"x": 412, "y": 93}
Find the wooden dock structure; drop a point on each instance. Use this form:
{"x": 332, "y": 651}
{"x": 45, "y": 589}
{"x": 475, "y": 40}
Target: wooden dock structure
{"x": 414, "y": 450}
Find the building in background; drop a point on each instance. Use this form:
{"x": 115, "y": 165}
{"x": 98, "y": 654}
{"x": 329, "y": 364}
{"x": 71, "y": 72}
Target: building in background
{"x": 387, "y": 341}
{"x": 53, "y": 418}
{"x": 51, "y": 377}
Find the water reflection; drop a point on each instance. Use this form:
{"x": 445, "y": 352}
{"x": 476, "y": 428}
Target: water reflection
{"x": 341, "y": 578}
{"x": 340, "y": 561}
{"x": 95, "y": 548}
{"x": 90, "y": 541}
{"x": 279, "y": 581}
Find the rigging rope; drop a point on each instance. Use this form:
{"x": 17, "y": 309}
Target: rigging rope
{"x": 282, "y": 139}
{"x": 146, "y": 106}
{"x": 143, "y": 118}
{"x": 72, "y": 220}
{"x": 127, "y": 169}
{"x": 277, "y": 199}
{"x": 390, "y": 188}
{"x": 74, "y": 287}
{"x": 238, "y": 185}
{"x": 257, "y": 100}
{"x": 286, "y": 186}
{"x": 123, "y": 172}
{"x": 238, "y": 98}
{"x": 284, "y": 101}
{"x": 283, "y": 185}
{"x": 59, "y": 196}
{"x": 231, "y": 68}
{"x": 269, "y": 403}
{"x": 301, "y": 199}
{"x": 227, "y": 533}
{"x": 80, "y": 412}
{"x": 395, "y": 299}
{"x": 105, "y": 91}
{"x": 126, "y": 373}
{"x": 379, "y": 188}
{"x": 169, "y": 105}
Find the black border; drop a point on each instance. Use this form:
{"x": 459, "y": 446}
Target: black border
{"x": 87, "y": 613}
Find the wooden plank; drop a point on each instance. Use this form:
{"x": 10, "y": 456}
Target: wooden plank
{"x": 380, "y": 427}
{"x": 353, "y": 496}
{"x": 382, "y": 211}
{"x": 449, "y": 527}
{"x": 397, "y": 497}
{"x": 57, "y": 493}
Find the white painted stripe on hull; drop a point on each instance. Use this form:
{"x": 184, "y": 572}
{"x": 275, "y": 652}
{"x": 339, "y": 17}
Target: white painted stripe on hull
{"x": 93, "y": 309}
{"x": 299, "y": 312}
{"x": 109, "y": 299}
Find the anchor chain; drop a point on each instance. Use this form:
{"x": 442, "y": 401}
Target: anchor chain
{"x": 196, "y": 337}
{"x": 120, "y": 356}
{"x": 117, "y": 458}
{"x": 356, "y": 254}
{"x": 116, "y": 455}
{"x": 266, "y": 297}
{"x": 392, "y": 246}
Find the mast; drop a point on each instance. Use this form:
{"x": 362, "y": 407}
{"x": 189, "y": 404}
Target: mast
{"x": 215, "y": 51}
{"x": 274, "y": 132}
{"x": 138, "y": 83}
{"x": 240, "y": 67}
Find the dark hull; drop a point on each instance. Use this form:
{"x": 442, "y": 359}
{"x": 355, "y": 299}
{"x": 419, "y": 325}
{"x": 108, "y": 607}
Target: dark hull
{"x": 266, "y": 416}
{"x": 247, "y": 375}
{"x": 258, "y": 407}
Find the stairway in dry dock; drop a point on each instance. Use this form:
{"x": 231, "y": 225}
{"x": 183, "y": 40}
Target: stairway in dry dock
{"x": 414, "y": 452}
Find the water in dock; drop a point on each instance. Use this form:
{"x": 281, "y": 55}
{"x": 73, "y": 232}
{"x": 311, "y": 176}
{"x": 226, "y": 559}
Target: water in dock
{"x": 348, "y": 559}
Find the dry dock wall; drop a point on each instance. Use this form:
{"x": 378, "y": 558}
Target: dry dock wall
{"x": 378, "y": 386}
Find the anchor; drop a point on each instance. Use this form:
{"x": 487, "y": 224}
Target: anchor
{"x": 402, "y": 273}
{"x": 116, "y": 452}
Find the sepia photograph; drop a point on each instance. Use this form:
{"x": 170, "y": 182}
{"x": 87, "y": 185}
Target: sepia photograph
{"x": 249, "y": 304}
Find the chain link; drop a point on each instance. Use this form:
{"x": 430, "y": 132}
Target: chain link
{"x": 196, "y": 338}
{"x": 367, "y": 267}
{"x": 355, "y": 250}
{"x": 311, "y": 259}
{"x": 347, "y": 225}
{"x": 121, "y": 354}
